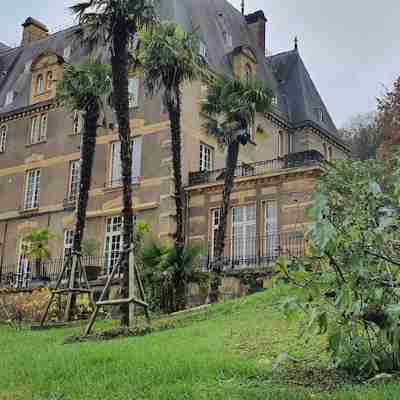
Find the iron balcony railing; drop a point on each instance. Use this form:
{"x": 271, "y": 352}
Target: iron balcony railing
{"x": 29, "y": 274}
{"x": 293, "y": 160}
{"x": 253, "y": 251}
{"x": 240, "y": 252}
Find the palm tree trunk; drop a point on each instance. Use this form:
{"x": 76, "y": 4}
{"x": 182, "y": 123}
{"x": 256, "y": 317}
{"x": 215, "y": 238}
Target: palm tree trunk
{"x": 174, "y": 111}
{"x": 231, "y": 163}
{"x": 88, "y": 148}
{"x": 119, "y": 63}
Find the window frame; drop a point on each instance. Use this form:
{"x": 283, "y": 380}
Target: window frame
{"x": 204, "y": 160}
{"x": 3, "y": 138}
{"x": 32, "y": 194}
{"x": 38, "y": 128}
{"x": 9, "y": 98}
{"x": 49, "y": 79}
{"x": 133, "y": 91}
{"x": 68, "y": 242}
{"x": 77, "y": 123}
{"x": 74, "y": 180}
{"x": 39, "y": 85}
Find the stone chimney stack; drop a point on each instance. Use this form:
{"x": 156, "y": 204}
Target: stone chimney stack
{"x": 33, "y": 31}
{"x": 257, "y": 24}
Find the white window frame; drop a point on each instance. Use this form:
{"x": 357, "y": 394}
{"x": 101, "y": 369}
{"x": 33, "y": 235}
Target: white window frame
{"x": 32, "y": 189}
{"x": 77, "y": 123}
{"x": 116, "y": 166}
{"x": 203, "y": 50}
{"x": 68, "y": 242}
{"x": 39, "y": 84}
{"x": 244, "y": 234}
{"x": 38, "y": 128}
{"x": 206, "y": 157}
{"x": 24, "y": 268}
{"x": 215, "y": 221}
{"x": 3, "y": 137}
{"x": 9, "y": 98}
{"x": 271, "y": 230}
{"x": 133, "y": 91}
{"x": 112, "y": 241}
{"x": 74, "y": 179}
{"x": 280, "y": 144}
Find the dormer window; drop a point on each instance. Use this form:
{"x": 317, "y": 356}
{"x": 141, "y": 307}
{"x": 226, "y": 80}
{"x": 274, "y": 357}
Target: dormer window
{"x": 227, "y": 38}
{"x": 319, "y": 114}
{"x": 39, "y": 84}
{"x": 248, "y": 73}
{"x": 9, "y": 98}
{"x": 49, "y": 80}
{"x": 3, "y": 138}
{"x": 274, "y": 101}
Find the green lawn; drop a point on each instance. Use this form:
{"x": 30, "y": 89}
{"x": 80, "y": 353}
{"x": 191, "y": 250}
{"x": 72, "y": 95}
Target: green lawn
{"x": 226, "y": 352}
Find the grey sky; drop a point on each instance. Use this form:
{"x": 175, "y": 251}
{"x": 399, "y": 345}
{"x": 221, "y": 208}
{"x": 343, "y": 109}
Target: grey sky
{"x": 351, "y": 47}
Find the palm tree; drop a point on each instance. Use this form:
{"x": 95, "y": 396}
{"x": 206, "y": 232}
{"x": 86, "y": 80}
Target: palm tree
{"x": 230, "y": 109}
{"x": 115, "y": 24}
{"x": 170, "y": 57}
{"x": 86, "y": 88}
{"x": 38, "y": 247}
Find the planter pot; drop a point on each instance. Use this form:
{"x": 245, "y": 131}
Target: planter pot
{"x": 92, "y": 272}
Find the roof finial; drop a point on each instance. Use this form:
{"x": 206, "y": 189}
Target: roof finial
{"x": 296, "y": 43}
{"x": 242, "y": 7}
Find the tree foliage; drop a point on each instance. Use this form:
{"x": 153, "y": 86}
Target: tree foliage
{"x": 363, "y": 135}
{"x": 348, "y": 286}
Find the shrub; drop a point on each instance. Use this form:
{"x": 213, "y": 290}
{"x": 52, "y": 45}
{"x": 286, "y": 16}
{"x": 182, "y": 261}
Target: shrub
{"x": 348, "y": 286}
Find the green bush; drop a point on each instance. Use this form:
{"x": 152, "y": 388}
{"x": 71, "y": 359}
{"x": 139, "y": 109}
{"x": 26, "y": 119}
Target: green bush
{"x": 348, "y": 286}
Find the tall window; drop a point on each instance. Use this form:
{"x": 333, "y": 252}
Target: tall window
{"x": 74, "y": 177}
{"x": 38, "y": 131}
{"x": 215, "y": 220}
{"x": 133, "y": 91}
{"x": 271, "y": 238}
{"x": 24, "y": 271}
{"x": 68, "y": 243}
{"x": 77, "y": 124}
{"x": 248, "y": 72}
{"x": 112, "y": 242}
{"x": 116, "y": 170}
{"x": 32, "y": 189}
{"x": 3, "y": 138}
{"x": 330, "y": 153}
{"x": 67, "y": 52}
{"x": 243, "y": 246}
{"x": 206, "y": 157}
{"x": 49, "y": 80}
{"x": 203, "y": 51}
{"x": 39, "y": 84}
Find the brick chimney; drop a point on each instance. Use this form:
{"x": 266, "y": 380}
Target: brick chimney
{"x": 33, "y": 31}
{"x": 257, "y": 23}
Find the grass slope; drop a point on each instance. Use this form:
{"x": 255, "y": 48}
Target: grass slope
{"x": 226, "y": 352}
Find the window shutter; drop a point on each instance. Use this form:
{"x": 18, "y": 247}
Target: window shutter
{"x": 136, "y": 158}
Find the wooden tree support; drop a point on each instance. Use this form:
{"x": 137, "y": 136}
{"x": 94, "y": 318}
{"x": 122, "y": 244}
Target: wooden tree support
{"x": 131, "y": 300}
{"x": 75, "y": 274}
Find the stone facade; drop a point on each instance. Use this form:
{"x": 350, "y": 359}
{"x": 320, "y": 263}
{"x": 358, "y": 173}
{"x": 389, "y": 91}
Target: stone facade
{"x": 55, "y": 151}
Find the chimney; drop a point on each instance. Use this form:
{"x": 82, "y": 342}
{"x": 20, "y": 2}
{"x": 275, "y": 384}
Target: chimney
{"x": 257, "y": 24}
{"x": 33, "y": 31}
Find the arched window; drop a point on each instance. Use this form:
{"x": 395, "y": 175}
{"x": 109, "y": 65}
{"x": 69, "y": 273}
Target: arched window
{"x": 39, "y": 84}
{"x": 49, "y": 79}
{"x": 248, "y": 73}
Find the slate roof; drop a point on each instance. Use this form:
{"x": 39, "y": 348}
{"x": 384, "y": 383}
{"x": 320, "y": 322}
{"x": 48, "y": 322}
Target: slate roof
{"x": 285, "y": 73}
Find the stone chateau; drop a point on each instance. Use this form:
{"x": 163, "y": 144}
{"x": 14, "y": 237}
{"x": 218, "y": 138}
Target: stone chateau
{"x": 39, "y": 148}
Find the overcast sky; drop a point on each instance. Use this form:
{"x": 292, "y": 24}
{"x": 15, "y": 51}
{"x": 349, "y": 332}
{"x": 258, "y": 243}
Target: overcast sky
{"x": 351, "y": 47}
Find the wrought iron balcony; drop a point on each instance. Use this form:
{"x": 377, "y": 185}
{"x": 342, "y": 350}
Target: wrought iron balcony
{"x": 293, "y": 160}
